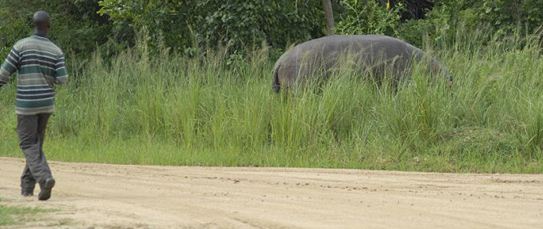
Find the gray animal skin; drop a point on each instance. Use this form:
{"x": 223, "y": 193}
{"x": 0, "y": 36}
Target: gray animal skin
{"x": 373, "y": 55}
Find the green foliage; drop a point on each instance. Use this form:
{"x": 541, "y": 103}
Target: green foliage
{"x": 76, "y": 26}
{"x": 507, "y": 15}
{"x": 443, "y": 23}
{"x": 499, "y": 19}
{"x": 164, "y": 20}
{"x": 175, "y": 110}
{"x": 150, "y": 105}
{"x": 241, "y": 25}
{"x": 244, "y": 23}
{"x": 368, "y": 17}
{"x": 237, "y": 24}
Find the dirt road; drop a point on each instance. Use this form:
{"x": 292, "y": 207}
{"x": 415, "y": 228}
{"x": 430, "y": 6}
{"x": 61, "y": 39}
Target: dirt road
{"x": 115, "y": 196}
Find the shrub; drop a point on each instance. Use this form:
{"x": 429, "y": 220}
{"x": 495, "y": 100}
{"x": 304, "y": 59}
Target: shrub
{"x": 237, "y": 24}
{"x": 368, "y": 17}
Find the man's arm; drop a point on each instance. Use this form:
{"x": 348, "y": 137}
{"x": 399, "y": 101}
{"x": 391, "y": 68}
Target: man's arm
{"x": 10, "y": 66}
{"x": 61, "y": 75}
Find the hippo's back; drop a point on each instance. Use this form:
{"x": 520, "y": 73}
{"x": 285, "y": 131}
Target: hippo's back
{"x": 366, "y": 47}
{"x": 370, "y": 53}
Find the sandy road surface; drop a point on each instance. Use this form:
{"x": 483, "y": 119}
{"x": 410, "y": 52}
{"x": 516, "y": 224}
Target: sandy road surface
{"x": 113, "y": 196}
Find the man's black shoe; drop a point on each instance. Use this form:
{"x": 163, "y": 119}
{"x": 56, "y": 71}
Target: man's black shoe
{"x": 27, "y": 193}
{"x": 46, "y": 189}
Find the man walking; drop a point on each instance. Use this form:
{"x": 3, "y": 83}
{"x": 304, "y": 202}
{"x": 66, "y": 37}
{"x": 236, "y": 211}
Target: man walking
{"x": 40, "y": 65}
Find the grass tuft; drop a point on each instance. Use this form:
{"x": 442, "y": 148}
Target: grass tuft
{"x": 16, "y": 215}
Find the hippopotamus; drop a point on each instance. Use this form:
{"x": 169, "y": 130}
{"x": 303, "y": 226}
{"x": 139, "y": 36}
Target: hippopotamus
{"x": 373, "y": 55}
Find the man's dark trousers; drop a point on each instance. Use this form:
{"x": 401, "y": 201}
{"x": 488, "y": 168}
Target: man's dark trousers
{"x": 31, "y": 131}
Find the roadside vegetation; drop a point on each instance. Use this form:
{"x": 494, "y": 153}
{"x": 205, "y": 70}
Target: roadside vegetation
{"x": 168, "y": 109}
{"x": 198, "y": 91}
{"x": 17, "y": 215}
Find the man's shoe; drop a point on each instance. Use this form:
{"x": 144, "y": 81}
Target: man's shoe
{"x": 27, "y": 193}
{"x": 46, "y": 189}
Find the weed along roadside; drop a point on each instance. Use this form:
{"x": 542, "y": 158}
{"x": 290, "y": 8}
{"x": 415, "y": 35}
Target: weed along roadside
{"x": 16, "y": 215}
{"x": 173, "y": 110}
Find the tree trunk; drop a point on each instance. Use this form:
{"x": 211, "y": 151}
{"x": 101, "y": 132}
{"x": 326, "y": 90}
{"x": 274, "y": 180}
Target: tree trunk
{"x": 329, "y": 14}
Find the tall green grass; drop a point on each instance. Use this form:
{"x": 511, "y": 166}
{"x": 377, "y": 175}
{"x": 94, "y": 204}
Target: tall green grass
{"x": 168, "y": 109}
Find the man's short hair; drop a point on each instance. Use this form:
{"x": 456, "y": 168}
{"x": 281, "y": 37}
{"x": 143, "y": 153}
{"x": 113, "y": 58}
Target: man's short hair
{"x": 41, "y": 18}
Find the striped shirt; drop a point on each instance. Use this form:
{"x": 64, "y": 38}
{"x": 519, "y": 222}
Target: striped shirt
{"x": 40, "y": 65}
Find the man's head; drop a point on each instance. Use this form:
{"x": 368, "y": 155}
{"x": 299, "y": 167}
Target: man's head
{"x": 41, "y": 22}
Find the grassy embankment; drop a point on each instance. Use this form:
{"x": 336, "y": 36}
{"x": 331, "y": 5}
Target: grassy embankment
{"x": 171, "y": 110}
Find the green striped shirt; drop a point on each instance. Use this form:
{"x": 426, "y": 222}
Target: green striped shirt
{"x": 40, "y": 65}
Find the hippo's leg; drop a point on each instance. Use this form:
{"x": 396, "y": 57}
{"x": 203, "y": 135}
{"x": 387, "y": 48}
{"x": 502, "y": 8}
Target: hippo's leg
{"x": 276, "y": 85}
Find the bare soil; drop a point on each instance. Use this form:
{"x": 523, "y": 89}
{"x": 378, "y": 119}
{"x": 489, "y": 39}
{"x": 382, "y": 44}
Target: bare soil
{"x": 121, "y": 196}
